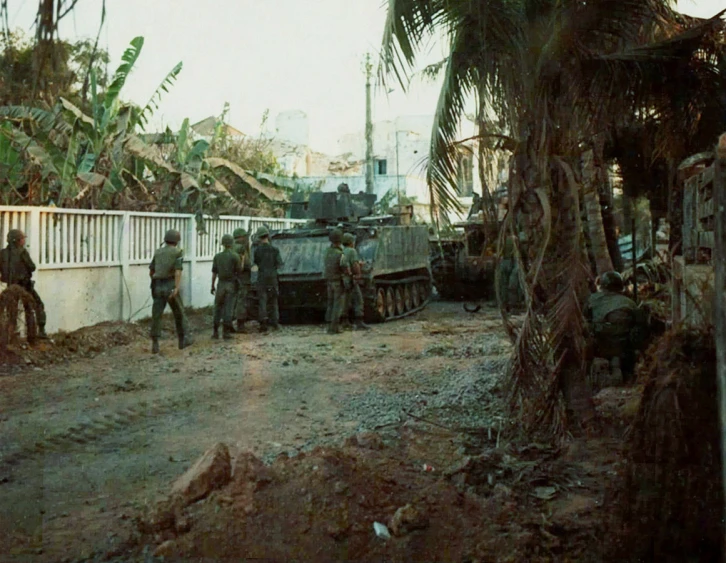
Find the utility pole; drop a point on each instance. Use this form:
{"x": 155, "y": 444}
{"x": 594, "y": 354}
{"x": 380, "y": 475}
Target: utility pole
{"x": 369, "y": 128}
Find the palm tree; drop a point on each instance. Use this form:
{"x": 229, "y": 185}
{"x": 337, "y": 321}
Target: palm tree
{"x": 556, "y": 74}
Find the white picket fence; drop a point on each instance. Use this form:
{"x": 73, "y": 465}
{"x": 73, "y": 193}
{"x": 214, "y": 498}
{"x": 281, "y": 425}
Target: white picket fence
{"x": 93, "y": 265}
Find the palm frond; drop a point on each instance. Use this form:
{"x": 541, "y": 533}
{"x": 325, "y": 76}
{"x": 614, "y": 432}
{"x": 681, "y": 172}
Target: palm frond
{"x": 153, "y": 103}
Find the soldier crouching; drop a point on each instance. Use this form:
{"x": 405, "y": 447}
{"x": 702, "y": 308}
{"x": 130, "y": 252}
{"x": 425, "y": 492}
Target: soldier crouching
{"x": 16, "y": 268}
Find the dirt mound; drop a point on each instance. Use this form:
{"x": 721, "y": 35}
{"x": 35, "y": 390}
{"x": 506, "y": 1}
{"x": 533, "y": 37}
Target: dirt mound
{"x": 86, "y": 342}
{"x": 513, "y": 504}
{"x": 673, "y": 497}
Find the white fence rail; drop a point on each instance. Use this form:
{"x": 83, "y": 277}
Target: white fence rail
{"x": 93, "y": 265}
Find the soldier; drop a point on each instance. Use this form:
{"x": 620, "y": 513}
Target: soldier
{"x": 336, "y": 266}
{"x": 242, "y": 247}
{"x": 352, "y": 281}
{"x": 16, "y": 268}
{"x": 165, "y": 271}
{"x": 616, "y": 325}
{"x": 268, "y": 261}
{"x": 227, "y": 265}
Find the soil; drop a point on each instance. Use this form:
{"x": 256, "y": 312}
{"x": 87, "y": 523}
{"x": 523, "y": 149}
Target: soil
{"x": 348, "y": 429}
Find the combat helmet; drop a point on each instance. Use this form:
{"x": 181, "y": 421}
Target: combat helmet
{"x": 343, "y": 188}
{"x": 227, "y": 240}
{"x": 612, "y": 281}
{"x": 336, "y": 236}
{"x": 262, "y": 232}
{"x": 348, "y": 238}
{"x": 172, "y": 236}
{"x": 14, "y": 235}
{"x": 238, "y": 233}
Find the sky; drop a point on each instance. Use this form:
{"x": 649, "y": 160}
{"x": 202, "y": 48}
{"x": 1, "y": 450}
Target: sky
{"x": 259, "y": 55}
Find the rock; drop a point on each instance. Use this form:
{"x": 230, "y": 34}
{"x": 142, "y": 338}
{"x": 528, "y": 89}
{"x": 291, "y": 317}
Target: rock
{"x": 248, "y": 468}
{"x": 165, "y": 549}
{"x": 408, "y": 518}
{"x": 366, "y": 440}
{"x": 183, "y": 525}
{"x": 211, "y": 471}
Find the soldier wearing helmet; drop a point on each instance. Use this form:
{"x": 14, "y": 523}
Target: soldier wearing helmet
{"x": 16, "y": 268}
{"x": 614, "y": 323}
{"x": 336, "y": 267}
{"x": 268, "y": 261}
{"x": 165, "y": 271}
{"x": 242, "y": 248}
{"x": 352, "y": 283}
{"x": 227, "y": 266}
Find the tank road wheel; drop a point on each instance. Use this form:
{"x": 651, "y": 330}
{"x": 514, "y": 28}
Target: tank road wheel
{"x": 381, "y": 303}
{"x": 398, "y": 294}
{"x": 423, "y": 289}
{"x": 415, "y": 295}
{"x": 407, "y": 298}
{"x": 390, "y": 303}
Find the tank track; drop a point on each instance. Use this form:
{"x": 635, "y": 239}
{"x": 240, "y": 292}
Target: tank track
{"x": 372, "y": 307}
{"x": 94, "y": 428}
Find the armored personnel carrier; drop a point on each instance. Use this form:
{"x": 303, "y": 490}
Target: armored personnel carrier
{"x": 463, "y": 262}
{"x": 397, "y": 277}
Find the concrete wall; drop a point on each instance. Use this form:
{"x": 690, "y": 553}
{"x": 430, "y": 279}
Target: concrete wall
{"x": 93, "y": 266}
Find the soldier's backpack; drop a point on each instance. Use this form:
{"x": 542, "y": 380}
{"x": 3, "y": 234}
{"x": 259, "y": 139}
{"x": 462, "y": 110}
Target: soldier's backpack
{"x": 5, "y": 265}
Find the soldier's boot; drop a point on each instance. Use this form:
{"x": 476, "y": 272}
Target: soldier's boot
{"x": 215, "y": 333}
{"x": 185, "y": 341}
{"x": 227, "y": 332}
{"x": 345, "y": 324}
{"x": 241, "y": 327}
{"x": 334, "y": 328}
{"x": 360, "y": 325}
{"x": 154, "y": 345}
{"x": 263, "y": 326}
{"x": 41, "y": 333}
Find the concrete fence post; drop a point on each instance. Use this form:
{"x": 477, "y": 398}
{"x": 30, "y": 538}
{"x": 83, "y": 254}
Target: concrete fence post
{"x": 192, "y": 254}
{"x": 33, "y": 234}
{"x": 124, "y": 254}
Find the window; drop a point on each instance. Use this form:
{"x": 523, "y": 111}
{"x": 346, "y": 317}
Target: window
{"x": 466, "y": 179}
{"x": 381, "y": 167}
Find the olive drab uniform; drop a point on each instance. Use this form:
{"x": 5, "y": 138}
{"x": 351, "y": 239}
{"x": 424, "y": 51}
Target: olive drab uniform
{"x": 336, "y": 264}
{"x": 243, "y": 283}
{"x": 166, "y": 262}
{"x": 228, "y": 267}
{"x": 268, "y": 261}
{"x": 614, "y": 323}
{"x": 353, "y": 294}
{"x": 16, "y": 268}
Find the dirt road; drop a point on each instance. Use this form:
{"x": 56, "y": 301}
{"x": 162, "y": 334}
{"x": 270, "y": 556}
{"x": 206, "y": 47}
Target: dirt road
{"x": 86, "y": 443}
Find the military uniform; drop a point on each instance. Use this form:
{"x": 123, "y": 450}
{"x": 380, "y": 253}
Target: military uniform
{"x": 351, "y": 282}
{"x": 615, "y": 325}
{"x": 244, "y": 278}
{"x": 268, "y": 261}
{"x": 227, "y": 266}
{"x": 336, "y": 265}
{"x": 164, "y": 265}
{"x": 16, "y": 268}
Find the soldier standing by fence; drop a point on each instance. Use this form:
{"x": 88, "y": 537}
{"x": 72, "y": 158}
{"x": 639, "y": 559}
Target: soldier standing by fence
{"x": 16, "y": 268}
{"x": 165, "y": 271}
{"x": 268, "y": 261}
{"x": 227, "y": 266}
{"x": 352, "y": 281}
{"x": 242, "y": 248}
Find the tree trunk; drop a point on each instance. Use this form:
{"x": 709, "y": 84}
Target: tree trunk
{"x": 592, "y": 176}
